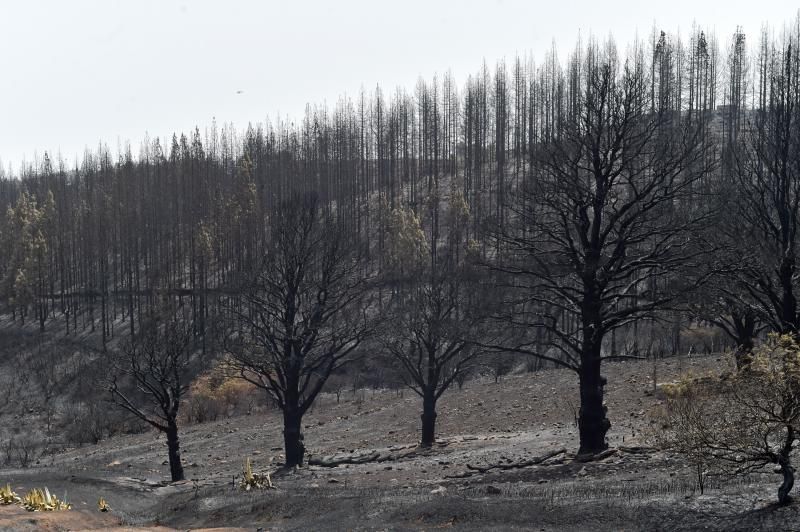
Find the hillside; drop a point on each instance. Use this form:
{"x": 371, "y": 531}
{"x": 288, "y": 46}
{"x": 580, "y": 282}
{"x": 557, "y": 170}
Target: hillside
{"x": 521, "y": 417}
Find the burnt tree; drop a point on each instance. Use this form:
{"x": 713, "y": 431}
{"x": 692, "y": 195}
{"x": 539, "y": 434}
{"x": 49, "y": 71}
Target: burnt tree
{"x": 301, "y": 315}
{"x": 603, "y": 226}
{"x": 428, "y": 333}
{"x": 150, "y": 376}
{"x": 767, "y": 180}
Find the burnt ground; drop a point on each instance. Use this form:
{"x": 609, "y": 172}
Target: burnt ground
{"x": 521, "y": 417}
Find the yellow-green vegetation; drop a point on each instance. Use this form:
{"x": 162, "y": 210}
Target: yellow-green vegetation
{"x": 741, "y": 422}
{"x": 32, "y": 224}
{"x": 102, "y": 505}
{"x": 406, "y": 240}
{"x": 38, "y": 500}
{"x": 778, "y": 361}
{"x": 252, "y": 480}
{"x": 7, "y": 496}
{"x": 690, "y": 383}
{"x": 217, "y": 391}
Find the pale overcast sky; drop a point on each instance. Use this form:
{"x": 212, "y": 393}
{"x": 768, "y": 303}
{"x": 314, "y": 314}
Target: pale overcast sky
{"x": 74, "y": 73}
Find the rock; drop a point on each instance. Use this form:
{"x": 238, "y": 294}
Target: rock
{"x": 333, "y": 481}
{"x": 438, "y": 489}
{"x": 493, "y": 490}
{"x": 582, "y": 472}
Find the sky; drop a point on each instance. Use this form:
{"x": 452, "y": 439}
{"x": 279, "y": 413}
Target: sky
{"x": 77, "y": 73}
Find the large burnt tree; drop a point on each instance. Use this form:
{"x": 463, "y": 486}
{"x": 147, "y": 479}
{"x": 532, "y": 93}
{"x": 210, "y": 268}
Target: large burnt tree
{"x": 301, "y": 314}
{"x": 151, "y": 374}
{"x": 603, "y": 226}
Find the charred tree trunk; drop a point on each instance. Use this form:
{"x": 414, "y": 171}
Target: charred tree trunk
{"x": 743, "y": 354}
{"x": 788, "y": 309}
{"x": 785, "y": 462}
{"x": 173, "y": 445}
{"x": 592, "y": 421}
{"x": 744, "y": 325}
{"x": 293, "y": 437}
{"x": 428, "y": 419}
{"x": 788, "y": 483}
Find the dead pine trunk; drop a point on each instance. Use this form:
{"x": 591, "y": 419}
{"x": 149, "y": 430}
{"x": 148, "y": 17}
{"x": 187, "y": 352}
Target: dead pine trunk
{"x": 174, "y": 449}
{"x": 592, "y": 421}
{"x": 293, "y": 437}
{"x": 428, "y": 419}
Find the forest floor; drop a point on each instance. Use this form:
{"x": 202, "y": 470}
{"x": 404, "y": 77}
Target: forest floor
{"x": 522, "y": 417}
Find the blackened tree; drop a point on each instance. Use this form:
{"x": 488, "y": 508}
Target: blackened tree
{"x": 151, "y": 374}
{"x": 301, "y": 315}
{"x": 767, "y": 175}
{"x": 603, "y": 226}
{"x": 429, "y": 334}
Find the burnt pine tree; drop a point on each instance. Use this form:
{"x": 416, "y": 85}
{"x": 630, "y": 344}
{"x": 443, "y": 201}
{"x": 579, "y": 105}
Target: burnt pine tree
{"x": 767, "y": 179}
{"x": 152, "y": 373}
{"x": 602, "y": 227}
{"x": 301, "y": 315}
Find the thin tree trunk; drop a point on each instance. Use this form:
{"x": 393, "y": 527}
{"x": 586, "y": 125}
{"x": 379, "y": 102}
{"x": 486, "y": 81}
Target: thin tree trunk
{"x": 788, "y": 301}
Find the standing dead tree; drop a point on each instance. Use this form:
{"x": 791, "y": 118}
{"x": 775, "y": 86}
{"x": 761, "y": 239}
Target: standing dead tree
{"x": 301, "y": 315}
{"x": 151, "y": 375}
{"x": 767, "y": 180}
{"x": 603, "y": 227}
{"x": 428, "y": 332}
